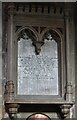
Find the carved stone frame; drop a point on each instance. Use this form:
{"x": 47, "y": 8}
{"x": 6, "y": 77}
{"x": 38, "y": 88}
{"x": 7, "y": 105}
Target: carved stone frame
{"x": 12, "y": 101}
{"x": 38, "y": 43}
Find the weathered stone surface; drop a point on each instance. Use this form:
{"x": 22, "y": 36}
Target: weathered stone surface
{"x": 37, "y": 74}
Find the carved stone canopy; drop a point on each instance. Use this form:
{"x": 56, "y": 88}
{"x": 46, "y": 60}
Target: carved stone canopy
{"x": 37, "y": 34}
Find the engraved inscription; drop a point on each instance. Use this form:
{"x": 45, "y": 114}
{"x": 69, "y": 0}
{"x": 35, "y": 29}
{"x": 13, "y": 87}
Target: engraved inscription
{"x": 37, "y": 74}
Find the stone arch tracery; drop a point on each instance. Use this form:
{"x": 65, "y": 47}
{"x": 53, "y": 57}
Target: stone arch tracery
{"x": 39, "y": 36}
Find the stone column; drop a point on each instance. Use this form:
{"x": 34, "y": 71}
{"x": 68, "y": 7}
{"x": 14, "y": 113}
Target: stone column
{"x": 9, "y": 88}
{"x": 68, "y": 83}
{"x": 10, "y": 42}
{"x": 70, "y": 52}
{"x": 11, "y": 108}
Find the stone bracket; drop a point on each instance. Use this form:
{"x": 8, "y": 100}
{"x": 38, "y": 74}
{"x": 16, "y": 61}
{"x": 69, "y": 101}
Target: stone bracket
{"x": 65, "y": 109}
{"x": 12, "y": 109}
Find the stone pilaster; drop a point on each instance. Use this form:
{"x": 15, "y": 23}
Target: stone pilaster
{"x": 70, "y": 55}
{"x": 10, "y": 42}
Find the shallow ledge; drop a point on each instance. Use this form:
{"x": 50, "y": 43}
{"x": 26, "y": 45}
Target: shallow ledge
{"x": 62, "y": 108}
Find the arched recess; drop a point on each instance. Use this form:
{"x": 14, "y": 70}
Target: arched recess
{"x": 39, "y": 43}
{"x": 23, "y": 34}
{"x": 22, "y": 29}
{"x": 56, "y": 35}
{"x": 52, "y": 73}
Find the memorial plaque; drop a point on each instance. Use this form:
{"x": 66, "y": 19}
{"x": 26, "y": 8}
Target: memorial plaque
{"x": 37, "y": 74}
